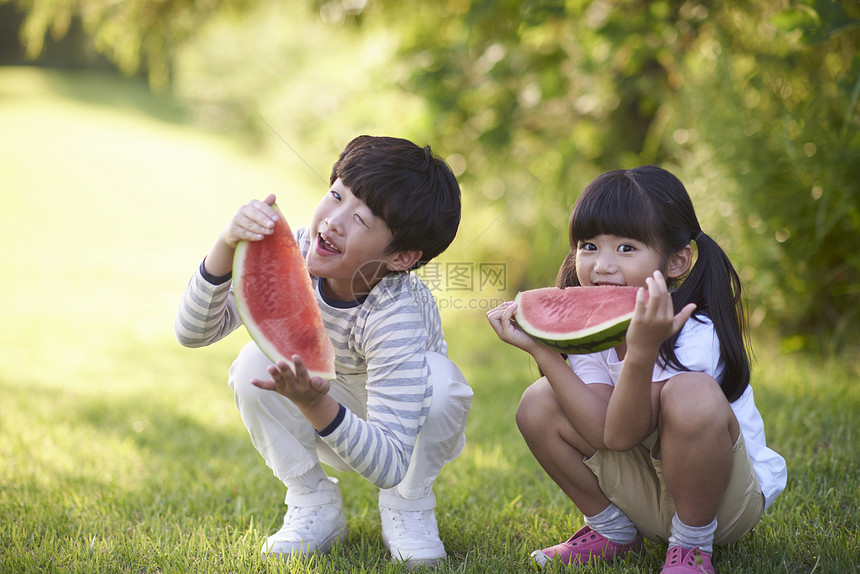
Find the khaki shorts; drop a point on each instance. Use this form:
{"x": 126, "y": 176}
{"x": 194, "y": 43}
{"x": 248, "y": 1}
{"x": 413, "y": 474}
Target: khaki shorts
{"x": 633, "y": 481}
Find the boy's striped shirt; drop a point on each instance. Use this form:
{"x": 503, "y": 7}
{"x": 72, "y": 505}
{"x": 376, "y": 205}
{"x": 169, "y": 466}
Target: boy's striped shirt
{"x": 380, "y": 346}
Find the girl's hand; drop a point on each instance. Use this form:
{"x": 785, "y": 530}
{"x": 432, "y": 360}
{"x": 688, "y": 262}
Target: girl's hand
{"x": 297, "y": 385}
{"x": 501, "y": 320}
{"x": 252, "y": 222}
{"x": 655, "y": 321}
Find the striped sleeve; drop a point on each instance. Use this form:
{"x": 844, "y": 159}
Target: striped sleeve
{"x": 207, "y": 313}
{"x": 393, "y": 339}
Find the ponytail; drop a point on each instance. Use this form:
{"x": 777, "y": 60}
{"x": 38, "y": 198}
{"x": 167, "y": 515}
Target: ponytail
{"x": 715, "y": 287}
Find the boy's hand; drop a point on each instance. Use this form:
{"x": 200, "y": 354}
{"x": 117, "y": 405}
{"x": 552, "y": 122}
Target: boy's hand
{"x": 309, "y": 394}
{"x": 298, "y": 385}
{"x": 655, "y": 321}
{"x": 501, "y": 320}
{"x": 252, "y": 222}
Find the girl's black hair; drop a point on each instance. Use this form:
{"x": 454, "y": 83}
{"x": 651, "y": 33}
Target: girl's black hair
{"x": 651, "y": 205}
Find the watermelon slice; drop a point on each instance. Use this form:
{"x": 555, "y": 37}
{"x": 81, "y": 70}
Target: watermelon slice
{"x": 576, "y": 320}
{"x": 275, "y": 298}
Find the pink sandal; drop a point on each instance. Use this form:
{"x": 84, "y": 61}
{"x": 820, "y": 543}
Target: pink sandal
{"x": 688, "y": 561}
{"x": 586, "y": 546}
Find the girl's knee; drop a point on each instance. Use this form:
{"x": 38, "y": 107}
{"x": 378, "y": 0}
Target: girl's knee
{"x": 535, "y": 405}
{"x": 694, "y": 399}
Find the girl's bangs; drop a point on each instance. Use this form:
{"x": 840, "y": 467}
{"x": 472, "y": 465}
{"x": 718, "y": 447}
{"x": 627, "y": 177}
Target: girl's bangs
{"x": 624, "y": 212}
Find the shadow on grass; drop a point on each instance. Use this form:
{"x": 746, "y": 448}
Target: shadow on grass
{"x": 167, "y": 437}
{"x": 99, "y": 88}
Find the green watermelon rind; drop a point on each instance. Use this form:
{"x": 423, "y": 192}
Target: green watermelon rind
{"x": 250, "y": 323}
{"x": 597, "y": 338}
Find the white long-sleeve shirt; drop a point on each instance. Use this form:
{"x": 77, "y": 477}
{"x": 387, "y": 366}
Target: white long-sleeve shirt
{"x": 380, "y": 344}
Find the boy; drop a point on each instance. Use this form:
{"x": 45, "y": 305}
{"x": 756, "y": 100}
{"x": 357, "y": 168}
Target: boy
{"x": 396, "y": 413}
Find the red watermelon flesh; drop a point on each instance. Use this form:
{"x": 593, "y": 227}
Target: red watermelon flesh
{"x": 275, "y": 298}
{"x": 576, "y": 320}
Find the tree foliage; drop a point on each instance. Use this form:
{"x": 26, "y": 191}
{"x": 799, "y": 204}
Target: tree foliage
{"x": 134, "y": 34}
{"x": 785, "y": 130}
{"x": 753, "y": 104}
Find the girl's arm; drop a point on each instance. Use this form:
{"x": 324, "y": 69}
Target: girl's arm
{"x": 585, "y": 405}
{"x": 631, "y": 414}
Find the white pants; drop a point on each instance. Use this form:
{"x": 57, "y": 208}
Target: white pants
{"x": 290, "y": 446}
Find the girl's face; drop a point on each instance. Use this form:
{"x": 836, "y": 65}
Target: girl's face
{"x": 615, "y": 260}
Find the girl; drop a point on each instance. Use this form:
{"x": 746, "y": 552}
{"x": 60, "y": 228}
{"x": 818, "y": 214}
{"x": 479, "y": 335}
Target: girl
{"x": 658, "y": 437}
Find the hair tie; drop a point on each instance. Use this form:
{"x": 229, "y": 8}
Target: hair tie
{"x": 698, "y": 236}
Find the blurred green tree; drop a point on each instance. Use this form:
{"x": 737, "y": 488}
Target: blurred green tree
{"x": 774, "y": 96}
{"x": 753, "y": 104}
{"x": 136, "y": 35}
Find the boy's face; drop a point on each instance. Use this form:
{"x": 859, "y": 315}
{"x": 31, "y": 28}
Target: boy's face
{"x": 348, "y": 245}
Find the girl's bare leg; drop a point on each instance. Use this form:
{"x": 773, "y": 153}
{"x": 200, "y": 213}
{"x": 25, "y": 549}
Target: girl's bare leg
{"x": 697, "y": 432}
{"x": 559, "y": 448}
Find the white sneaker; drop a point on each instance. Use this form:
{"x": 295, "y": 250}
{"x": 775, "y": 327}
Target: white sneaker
{"x": 411, "y": 533}
{"x": 314, "y": 521}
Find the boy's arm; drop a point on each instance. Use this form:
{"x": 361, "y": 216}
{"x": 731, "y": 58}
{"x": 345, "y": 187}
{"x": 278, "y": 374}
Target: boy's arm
{"x": 207, "y": 312}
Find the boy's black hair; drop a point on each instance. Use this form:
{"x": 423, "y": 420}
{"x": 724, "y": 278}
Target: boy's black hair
{"x": 651, "y": 205}
{"x": 412, "y": 189}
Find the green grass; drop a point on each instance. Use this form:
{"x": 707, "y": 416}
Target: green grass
{"x": 122, "y": 452}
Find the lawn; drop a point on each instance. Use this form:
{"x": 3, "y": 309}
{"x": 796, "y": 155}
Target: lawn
{"x": 121, "y": 451}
